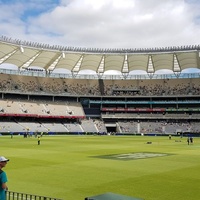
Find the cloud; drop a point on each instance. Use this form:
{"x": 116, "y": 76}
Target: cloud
{"x": 103, "y": 23}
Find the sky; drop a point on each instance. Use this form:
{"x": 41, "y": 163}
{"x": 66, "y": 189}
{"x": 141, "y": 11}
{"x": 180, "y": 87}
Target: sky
{"x": 106, "y": 24}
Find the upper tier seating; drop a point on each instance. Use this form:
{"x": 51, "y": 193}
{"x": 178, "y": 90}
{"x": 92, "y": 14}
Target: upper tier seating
{"x": 147, "y": 87}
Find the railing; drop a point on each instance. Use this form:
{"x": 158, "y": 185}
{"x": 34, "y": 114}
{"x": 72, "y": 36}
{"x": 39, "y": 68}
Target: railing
{"x": 23, "y": 196}
{"x": 104, "y": 76}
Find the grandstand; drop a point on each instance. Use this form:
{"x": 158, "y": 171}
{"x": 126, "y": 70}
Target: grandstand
{"x": 41, "y": 100}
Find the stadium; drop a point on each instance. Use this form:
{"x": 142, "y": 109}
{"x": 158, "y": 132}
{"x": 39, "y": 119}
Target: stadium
{"x": 36, "y": 99}
{"x": 39, "y": 100}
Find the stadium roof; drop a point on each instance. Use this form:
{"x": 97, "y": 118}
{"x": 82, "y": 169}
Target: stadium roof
{"x": 25, "y": 55}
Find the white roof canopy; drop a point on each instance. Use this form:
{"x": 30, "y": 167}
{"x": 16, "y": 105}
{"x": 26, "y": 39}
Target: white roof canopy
{"x": 26, "y": 55}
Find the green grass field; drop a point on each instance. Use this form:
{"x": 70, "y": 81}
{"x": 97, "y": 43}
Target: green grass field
{"x": 75, "y": 167}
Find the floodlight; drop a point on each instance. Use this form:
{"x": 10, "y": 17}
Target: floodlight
{"x": 21, "y": 49}
{"x": 63, "y": 54}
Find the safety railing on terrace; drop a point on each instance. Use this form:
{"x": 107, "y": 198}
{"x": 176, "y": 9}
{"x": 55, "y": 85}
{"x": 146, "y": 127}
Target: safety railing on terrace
{"x": 23, "y": 196}
{"x": 96, "y": 76}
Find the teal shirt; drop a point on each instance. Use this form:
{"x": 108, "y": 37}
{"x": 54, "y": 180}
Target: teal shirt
{"x": 3, "y": 179}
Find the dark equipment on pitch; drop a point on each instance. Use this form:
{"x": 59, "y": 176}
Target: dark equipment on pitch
{"x": 111, "y": 196}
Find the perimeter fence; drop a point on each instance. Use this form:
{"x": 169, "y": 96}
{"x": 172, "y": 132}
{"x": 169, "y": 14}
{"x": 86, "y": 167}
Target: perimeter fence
{"x": 23, "y": 196}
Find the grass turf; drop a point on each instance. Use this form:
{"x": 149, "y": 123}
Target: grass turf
{"x": 75, "y": 167}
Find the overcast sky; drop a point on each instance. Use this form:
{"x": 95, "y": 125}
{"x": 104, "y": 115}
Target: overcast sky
{"x": 102, "y": 23}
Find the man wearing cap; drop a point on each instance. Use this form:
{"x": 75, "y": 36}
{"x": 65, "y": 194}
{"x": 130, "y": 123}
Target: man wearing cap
{"x": 3, "y": 178}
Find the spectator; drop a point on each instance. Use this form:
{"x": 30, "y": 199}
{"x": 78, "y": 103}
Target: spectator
{"x": 3, "y": 178}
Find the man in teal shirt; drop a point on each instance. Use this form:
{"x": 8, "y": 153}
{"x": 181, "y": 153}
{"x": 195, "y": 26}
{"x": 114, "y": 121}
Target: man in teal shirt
{"x": 3, "y": 178}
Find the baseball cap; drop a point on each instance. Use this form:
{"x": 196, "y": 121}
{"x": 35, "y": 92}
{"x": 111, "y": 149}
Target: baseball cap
{"x": 3, "y": 159}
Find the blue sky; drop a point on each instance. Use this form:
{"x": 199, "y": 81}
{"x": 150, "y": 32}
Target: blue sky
{"x": 102, "y": 23}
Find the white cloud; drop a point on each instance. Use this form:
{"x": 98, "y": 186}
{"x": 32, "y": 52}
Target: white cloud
{"x": 103, "y": 23}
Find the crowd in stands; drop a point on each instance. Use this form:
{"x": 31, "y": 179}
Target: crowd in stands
{"x": 153, "y": 87}
{"x": 128, "y": 127}
{"x": 151, "y": 115}
{"x": 87, "y": 87}
{"x": 159, "y": 127}
{"x": 160, "y": 87}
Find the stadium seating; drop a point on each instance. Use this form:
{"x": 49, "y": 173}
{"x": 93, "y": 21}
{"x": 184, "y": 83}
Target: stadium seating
{"x": 160, "y": 106}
